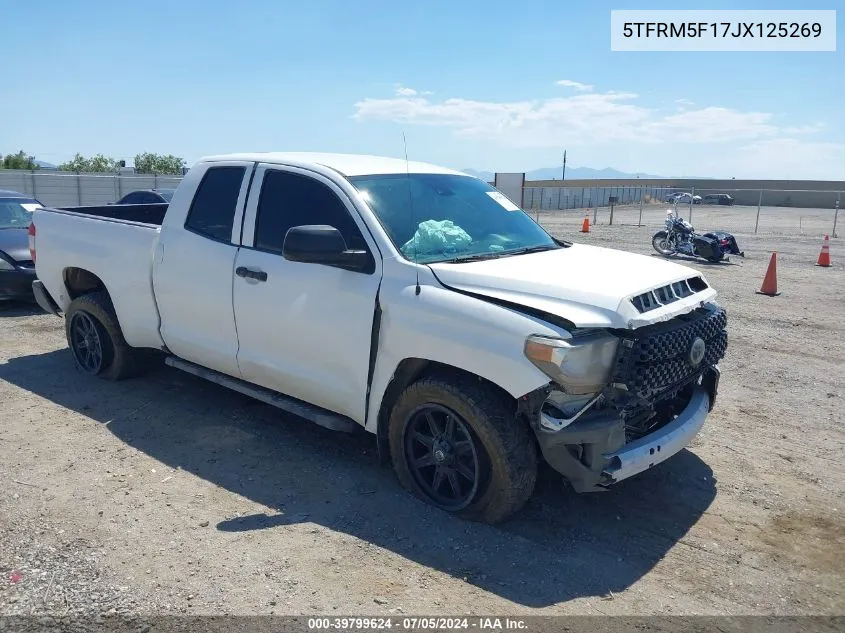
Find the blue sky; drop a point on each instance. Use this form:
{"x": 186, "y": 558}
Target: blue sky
{"x": 472, "y": 84}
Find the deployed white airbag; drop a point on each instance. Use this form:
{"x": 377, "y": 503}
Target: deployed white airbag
{"x": 434, "y": 237}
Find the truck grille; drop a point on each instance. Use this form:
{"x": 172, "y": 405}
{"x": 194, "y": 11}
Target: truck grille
{"x": 654, "y": 362}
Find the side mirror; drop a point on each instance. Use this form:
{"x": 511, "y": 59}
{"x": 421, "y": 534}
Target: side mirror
{"x": 322, "y": 244}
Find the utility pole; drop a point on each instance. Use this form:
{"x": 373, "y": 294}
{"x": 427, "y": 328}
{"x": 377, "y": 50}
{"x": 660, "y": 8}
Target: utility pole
{"x": 563, "y": 175}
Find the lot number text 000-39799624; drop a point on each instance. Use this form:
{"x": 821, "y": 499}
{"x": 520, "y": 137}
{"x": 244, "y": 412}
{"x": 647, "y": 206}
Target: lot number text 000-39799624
{"x": 723, "y": 30}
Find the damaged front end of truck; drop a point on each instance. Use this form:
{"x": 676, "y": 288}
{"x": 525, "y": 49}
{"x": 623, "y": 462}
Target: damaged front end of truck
{"x": 662, "y": 383}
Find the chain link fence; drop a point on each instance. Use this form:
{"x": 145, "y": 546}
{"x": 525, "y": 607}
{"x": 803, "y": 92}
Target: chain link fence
{"x": 768, "y": 211}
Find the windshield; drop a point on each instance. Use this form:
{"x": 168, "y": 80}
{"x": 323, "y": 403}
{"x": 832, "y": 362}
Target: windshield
{"x": 13, "y": 213}
{"x": 452, "y": 218}
{"x": 167, "y": 194}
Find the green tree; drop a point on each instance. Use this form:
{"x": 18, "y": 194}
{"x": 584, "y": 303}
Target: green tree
{"x": 97, "y": 164}
{"x": 21, "y": 160}
{"x": 100, "y": 163}
{"x": 77, "y": 164}
{"x": 148, "y": 163}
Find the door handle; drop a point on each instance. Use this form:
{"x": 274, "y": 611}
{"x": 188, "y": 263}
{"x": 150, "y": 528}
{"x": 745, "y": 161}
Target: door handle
{"x": 246, "y": 273}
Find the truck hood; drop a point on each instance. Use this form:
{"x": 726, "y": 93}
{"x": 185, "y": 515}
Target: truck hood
{"x": 588, "y": 286}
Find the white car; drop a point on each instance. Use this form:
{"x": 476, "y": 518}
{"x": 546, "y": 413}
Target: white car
{"x": 411, "y": 300}
{"x": 686, "y": 198}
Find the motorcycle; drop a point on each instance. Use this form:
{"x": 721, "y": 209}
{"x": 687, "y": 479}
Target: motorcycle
{"x": 680, "y": 238}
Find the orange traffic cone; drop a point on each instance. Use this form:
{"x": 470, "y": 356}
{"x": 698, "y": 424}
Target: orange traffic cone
{"x": 585, "y": 227}
{"x": 770, "y": 281}
{"x": 824, "y": 256}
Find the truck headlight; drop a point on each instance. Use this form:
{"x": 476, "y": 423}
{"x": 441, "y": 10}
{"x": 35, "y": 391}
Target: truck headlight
{"x": 581, "y": 365}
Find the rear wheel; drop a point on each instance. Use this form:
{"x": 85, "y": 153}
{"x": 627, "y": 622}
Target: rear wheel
{"x": 660, "y": 242}
{"x": 96, "y": 341}
{"x": 91, "y": 346}
{"x": 457, "y": 445}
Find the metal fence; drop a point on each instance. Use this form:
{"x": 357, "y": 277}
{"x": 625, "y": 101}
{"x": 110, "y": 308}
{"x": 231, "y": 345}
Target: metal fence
{"x": 780, "y": 211}
{"x": 589, "y": 197}
{"x": 774, "y": 211}
{"x": 61, "y": 189}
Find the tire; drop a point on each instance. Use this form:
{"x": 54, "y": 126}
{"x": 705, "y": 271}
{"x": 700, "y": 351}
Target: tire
{"x": 504, "y": 454}
{"x": 93, "y": 315}
{"x": 658, "y": 241}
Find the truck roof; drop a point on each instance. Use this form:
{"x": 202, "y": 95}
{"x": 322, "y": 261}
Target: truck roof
{"x": 346, "y": 164}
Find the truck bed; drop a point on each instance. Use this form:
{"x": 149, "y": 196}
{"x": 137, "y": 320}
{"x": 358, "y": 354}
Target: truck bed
{"x": 143, "y": 213}
{"x": 116, "y": 244}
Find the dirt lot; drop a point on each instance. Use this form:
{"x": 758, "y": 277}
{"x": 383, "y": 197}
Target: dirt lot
{"x": 168, "y": 494}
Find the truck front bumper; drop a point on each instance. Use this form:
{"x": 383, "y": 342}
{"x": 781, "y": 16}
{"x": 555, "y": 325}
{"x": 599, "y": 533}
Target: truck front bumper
{"x": 659, "y": 446}
{"x": 592, "y": 454}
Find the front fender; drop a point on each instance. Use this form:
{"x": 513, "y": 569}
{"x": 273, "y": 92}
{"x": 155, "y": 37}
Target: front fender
{"x": 457, "y": 330}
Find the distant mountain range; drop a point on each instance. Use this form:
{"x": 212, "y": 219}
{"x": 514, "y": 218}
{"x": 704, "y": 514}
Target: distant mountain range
{"x": 573, "y": 173}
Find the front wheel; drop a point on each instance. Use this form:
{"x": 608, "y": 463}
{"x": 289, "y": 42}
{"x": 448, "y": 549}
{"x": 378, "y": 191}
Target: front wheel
{"x": 457, "y": 445}
{"x": 660, "y": 242}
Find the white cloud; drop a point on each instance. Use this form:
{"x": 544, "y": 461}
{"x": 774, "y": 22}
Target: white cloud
{"x": 804, "y": 129}
{"x": 609, "y": 117}
{"x": 616, "y": 128}
{"x": 684, "y": 104}
{"x": 577, "y": 85}
{"x": 402, "y": 91}
{"x": 712, "y": 125}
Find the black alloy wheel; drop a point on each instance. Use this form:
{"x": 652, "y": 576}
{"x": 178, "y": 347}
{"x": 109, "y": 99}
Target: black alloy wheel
{"x": 442, "y": 456}
{"x": 89, "y": 346}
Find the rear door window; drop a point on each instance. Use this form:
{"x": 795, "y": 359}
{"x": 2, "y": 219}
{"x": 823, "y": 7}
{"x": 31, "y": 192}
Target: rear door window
{"x": 212, "y": 211}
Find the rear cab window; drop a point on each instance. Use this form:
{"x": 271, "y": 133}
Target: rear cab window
{"x": 213, "y": 208}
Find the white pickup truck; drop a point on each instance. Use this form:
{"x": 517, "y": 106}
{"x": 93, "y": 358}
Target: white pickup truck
{"x": 414, "y": 301}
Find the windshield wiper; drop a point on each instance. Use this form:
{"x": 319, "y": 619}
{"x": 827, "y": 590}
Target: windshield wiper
{"x": 471, "y": 258}
{"x": 483, "y": 256}
{"x": 532, "y": 249}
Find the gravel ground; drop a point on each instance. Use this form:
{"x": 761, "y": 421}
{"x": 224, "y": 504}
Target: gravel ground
{"x": 167, "y": 494}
